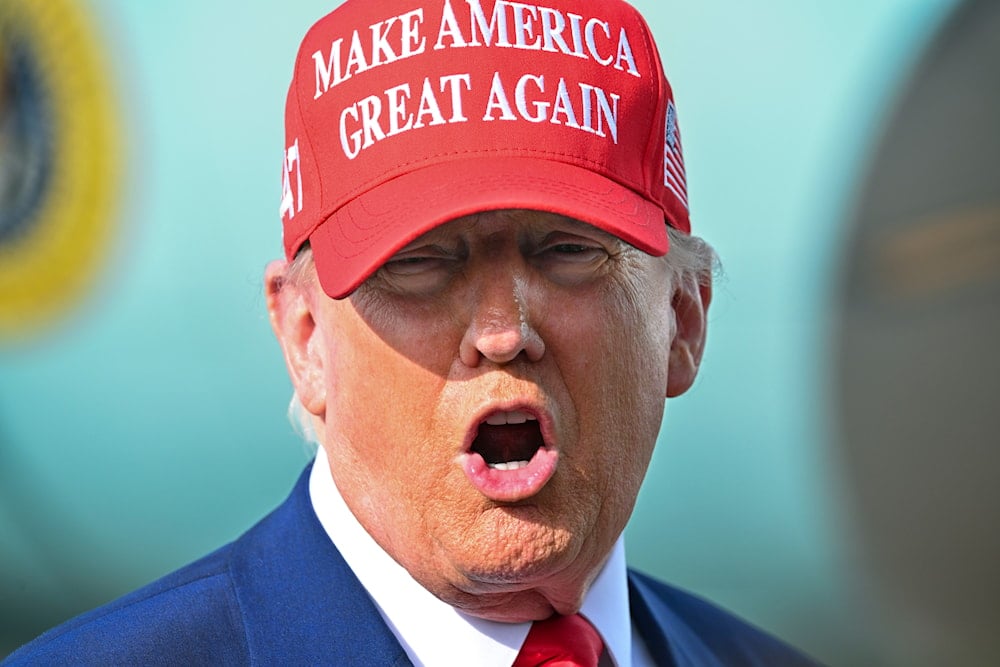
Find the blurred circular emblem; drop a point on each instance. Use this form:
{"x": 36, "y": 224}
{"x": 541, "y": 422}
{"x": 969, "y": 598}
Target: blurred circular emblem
{"x": 58, "y": 162}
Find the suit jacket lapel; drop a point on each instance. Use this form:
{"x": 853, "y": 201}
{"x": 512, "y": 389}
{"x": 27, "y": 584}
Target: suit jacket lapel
{"x": 669, "y": 639}
{"x": 301, "y": 603}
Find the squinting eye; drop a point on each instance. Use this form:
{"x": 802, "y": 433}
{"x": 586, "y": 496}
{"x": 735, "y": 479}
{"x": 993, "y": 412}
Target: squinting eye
{"x": 571, "y": 263}
{"x": 408, "y": 266}
{"x": 570, "y": 248}
{"x": 418, "y": 274}
{"x": 575, "y": 252}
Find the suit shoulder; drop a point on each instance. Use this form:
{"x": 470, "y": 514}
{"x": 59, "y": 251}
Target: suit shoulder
{"x": 682, "y": 617}
{"x": 190, "y": 616}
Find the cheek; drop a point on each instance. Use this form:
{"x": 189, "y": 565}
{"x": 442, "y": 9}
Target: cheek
{"x": 364, "y": 375}
{"x": 391, "y": 351}
{"x": 378, "y": 393}
{"x": 627, "y": 342}
{"x": 622, "y": 380}
{"x": 644, "y": 309}
{"x": 377, "y": 433}
{"x": 418, "y": 329}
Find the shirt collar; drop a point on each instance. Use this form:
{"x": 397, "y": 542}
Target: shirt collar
{"x": 433, "y": 632}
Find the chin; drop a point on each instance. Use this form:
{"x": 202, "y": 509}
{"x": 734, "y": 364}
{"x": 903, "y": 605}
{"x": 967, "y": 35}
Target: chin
{"x": 514, "y": 559}
{"x": 513, "y": 607}
{"x": 514, "y": 591}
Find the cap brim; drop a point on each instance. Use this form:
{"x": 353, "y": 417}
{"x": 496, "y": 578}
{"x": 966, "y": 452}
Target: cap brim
{"x": 363, "y": 234}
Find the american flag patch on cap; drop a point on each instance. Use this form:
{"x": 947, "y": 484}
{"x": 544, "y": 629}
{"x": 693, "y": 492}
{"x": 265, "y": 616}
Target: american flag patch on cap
{"x": 674, "y": 175}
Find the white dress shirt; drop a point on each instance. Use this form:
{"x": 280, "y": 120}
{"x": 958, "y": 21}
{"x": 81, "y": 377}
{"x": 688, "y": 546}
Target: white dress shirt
{"x": 432, "y": 632}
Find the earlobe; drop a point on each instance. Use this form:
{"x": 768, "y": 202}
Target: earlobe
{"x": 690, "y": 304}
{"x": 290, "y": 310}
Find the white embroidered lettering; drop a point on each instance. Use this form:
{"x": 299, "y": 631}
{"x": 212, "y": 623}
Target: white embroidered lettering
{"x": 592, "y": 24}
{"x": 498, "y": 101}
{"x": 291, "y": 202}
{"x": 521, "y": 97}
{"x": 524, "y": 26}
{"x": 449, "y": 29}
{"x": 625, "y": 54}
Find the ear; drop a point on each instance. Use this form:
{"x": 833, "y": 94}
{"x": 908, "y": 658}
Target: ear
{"x": 291, "y": 305}
{"x": 690, "y": 303}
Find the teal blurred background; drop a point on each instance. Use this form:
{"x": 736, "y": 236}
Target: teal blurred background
{"x": 144, "y": 424}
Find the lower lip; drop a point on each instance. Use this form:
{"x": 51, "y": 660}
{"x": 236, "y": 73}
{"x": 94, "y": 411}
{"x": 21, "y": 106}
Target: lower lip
{"x": 510, "y": 485}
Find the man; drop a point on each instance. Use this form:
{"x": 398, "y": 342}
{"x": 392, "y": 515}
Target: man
{"x": 481, "y": 321}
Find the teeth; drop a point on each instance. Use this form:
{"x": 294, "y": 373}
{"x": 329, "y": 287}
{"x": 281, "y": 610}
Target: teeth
{"x": 509, "y": 465}
{"x": 515, "y": 417}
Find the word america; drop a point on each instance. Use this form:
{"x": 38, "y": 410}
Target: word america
{"x": 511, "y": 25}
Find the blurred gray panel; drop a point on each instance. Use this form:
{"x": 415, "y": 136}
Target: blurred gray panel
{"x": 919, "y": 366}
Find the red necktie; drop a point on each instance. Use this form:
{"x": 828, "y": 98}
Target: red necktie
{"x": 561, "y": 641}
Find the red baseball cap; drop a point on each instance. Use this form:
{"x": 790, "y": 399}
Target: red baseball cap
{"x": 405, "y": 114}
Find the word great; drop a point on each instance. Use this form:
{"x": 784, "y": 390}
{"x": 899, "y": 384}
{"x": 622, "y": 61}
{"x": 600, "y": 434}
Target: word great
{"x": 376, "y": 118}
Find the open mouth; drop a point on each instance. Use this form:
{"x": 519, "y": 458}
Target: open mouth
{"x": 509, "y": 458}
{"x": 508, "y": 440}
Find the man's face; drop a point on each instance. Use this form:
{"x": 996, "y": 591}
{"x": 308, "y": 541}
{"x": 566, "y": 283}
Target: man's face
{"x": 489, "y": 400}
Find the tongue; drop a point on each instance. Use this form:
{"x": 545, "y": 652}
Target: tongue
{"x": 509, "y": 442}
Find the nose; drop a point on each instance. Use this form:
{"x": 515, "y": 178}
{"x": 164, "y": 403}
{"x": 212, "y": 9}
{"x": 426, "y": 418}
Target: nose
{"x": 500, "y": 327}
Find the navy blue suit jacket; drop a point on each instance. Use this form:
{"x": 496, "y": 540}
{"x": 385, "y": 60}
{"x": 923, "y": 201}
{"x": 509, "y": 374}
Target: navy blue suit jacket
{"x": 282, "y": 595}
